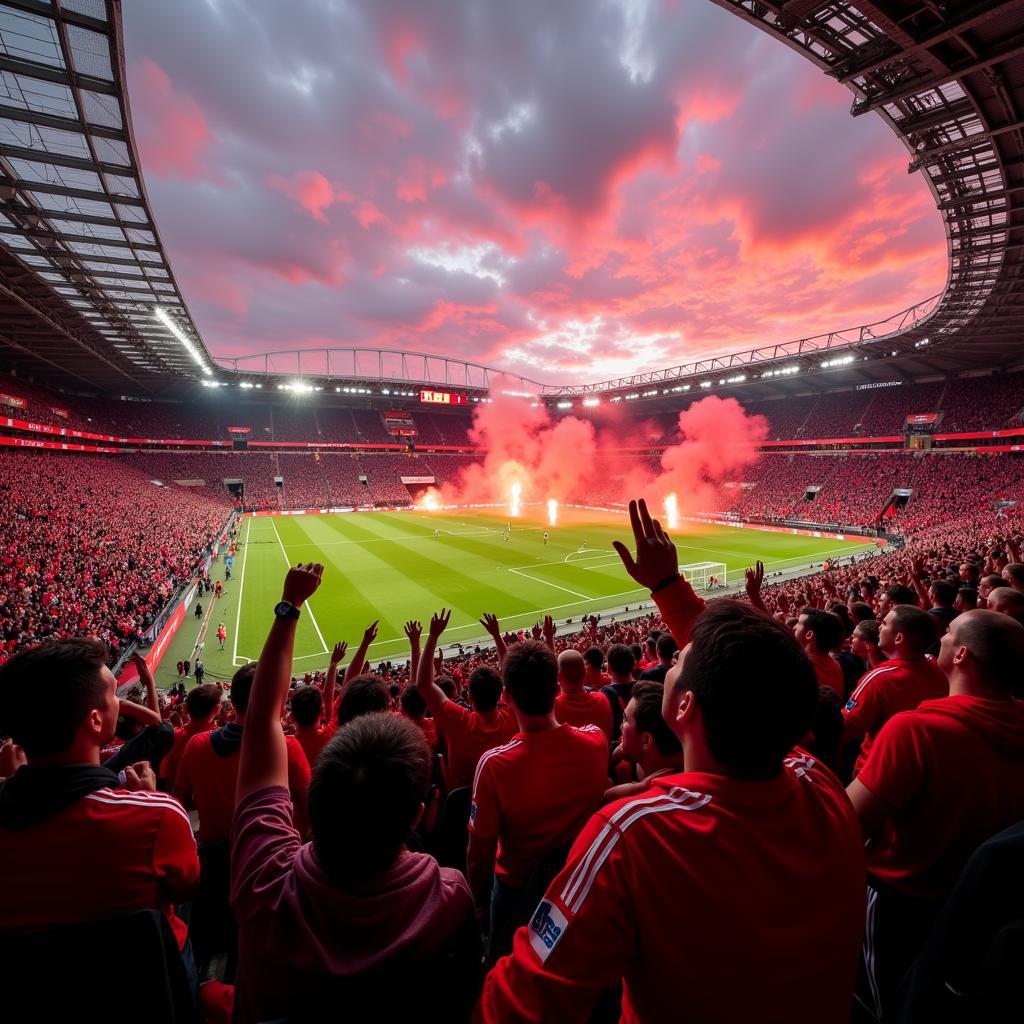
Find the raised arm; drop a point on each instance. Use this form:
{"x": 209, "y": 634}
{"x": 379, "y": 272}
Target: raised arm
{"x": 549, "y": 632}
{"x": 332, "y": 677}
{"x": 425, "y": 685}
{"x": 264, "y": 758}
{"x": 490, "y": 623}
{"x": 358, "y": 663}
{"x": 413, "y": 630}
{"x": 755, "y": 577}
{"x": 656, "y": 566}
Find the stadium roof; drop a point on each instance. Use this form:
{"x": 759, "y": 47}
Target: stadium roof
{"x": 82, "y": 267}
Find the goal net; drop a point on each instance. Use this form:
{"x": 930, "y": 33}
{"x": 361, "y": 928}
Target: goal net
{"x": 705, "y": 575}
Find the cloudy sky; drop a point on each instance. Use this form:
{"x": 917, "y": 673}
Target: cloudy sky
{"x": 571, "y": 190}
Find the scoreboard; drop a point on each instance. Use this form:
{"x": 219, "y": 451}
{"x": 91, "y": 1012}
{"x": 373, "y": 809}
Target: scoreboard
{"x": 443, "y": 398}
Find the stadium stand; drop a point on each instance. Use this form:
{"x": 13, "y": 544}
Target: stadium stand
{"x": 431, "y": 838}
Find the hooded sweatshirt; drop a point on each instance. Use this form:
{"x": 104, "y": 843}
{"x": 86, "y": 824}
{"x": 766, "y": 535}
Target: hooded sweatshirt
{"x": 952, "y": 773}
{"x": 302, "y": 935}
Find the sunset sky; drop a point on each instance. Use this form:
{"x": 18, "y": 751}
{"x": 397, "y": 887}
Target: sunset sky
{"x": 570, "y": 190}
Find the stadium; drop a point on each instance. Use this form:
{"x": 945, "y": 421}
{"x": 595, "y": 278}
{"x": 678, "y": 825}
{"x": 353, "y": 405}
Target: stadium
{"x": 842, "y": 509}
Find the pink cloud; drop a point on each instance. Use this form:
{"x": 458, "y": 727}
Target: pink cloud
{"x": 311, "y": 190}
{"x": 170, "y": 129}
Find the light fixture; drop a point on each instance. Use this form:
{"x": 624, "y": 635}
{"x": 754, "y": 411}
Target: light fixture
{"x": 163, "y": 317}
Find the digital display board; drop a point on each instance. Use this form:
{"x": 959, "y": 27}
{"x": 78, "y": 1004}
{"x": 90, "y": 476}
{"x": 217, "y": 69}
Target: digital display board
{"x": 443, "y": 398}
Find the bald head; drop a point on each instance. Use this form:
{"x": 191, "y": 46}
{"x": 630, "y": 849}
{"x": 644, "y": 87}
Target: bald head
{"x": 984, "y": 647}
{"x": 571, "y": 670}
{"x": 1007, "y": 601}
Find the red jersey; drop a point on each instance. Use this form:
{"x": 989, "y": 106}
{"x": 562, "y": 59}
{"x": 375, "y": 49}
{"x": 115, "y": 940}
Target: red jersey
{"x": 536, "y": 792}
{"x": 775, "y": 925}
{"x": 110, "y": 853}
{"x": 469, "y": 735}
{"x": 829, "y": 673}
{"x": 952, "y": 775}
{"x": 206, "y": 780}
{"x": 585, "y": 708}
{"x": 894, "y": 686}
{"x": 595, "y": 678}
{"x": 169, "y": 765}
{"x": 312, "y": 742}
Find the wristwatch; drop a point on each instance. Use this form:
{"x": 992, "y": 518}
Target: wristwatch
{"x": 286, "y": 610}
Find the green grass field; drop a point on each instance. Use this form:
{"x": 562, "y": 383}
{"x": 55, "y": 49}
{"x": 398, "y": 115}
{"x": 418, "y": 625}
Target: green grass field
{"x": 389, "y": 566}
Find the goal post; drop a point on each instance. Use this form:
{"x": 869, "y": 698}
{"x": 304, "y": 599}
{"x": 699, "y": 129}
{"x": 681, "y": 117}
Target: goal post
{"x": 705, "y": 575}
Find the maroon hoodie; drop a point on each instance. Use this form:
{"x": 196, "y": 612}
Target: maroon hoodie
{"x": 952, "y": 771}
{"x": 300, "y": 934}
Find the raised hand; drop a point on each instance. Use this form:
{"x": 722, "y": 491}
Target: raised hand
{"x": 301, "y": 583}
{"x": 413, "y": 630}
{"x": 338, "y": 653}
{"x": 549, "y": 627}
{"x": 755, "y": 577}
{"x": 656, "y": 560}
{"x": 490, "y": 623}
{"x": 535, "y": 631}
{"x": 370, "y": 633}
{"x": 439, "y": 623}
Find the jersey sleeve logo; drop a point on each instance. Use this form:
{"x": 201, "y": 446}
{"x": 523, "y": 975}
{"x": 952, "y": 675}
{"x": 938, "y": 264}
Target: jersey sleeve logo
{"x": 472, "y": 813}
{"x": 546, "y": 928}
{"x": 851, "y": 704}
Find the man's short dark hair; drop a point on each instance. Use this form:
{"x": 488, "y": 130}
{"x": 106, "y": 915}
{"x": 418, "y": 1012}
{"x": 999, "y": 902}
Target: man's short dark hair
{"x": 968, "y": 595}
{"x": 531, "y": 677}
{"x": 667, "y": 646}
{"x": 943, "y": 593}
{"x": 485, "y": 688}
{"x": 47, "y": 690}
{"x": 916, "y": 625}
{"x": 755, "y": 687}
{"x": 620, "y": 659}
{"x": 647, "y": 698}
{"x": 842, "y": 613}
{"x": 365, "y": 695}
{"x": 594, "y": 657}
{"x": 201, "y": 701}
{"x": 412, "y": 703}
{"x": 860, "y": 611}
{"x": 307, "y": 705}
{"x": 827, "y": 629}
{"x": 899, "y": 594}
{"x": 869, "y": 630}
{"x": 241, "y": 687}
{"x": 993, "y": 579}
{"x": 366, "y": 789}
{"x": 446, "y": 685}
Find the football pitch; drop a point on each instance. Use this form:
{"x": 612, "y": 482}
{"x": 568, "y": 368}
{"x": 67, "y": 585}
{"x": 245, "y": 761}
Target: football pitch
{"x": 390, "y": 566}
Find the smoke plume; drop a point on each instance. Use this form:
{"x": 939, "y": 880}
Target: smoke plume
{"x": 571, "y": 460}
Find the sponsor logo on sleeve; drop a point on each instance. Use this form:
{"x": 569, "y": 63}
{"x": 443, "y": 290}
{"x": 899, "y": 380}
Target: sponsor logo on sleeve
{"x": 546, "y": 928}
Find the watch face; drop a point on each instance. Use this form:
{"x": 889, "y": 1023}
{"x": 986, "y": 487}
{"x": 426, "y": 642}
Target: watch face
{"x": 285, "y": 610}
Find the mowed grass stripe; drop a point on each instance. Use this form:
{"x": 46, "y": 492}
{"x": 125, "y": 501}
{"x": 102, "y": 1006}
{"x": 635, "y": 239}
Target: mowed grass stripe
{"x": 436, "y": 570}
{"x": 264, "y": 574}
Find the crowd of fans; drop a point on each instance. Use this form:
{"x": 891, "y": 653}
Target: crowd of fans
{"x": 965, "y": 404}
{"x": 84, "y": 551}
{"x": 858, "y": 489}
{"x": 797, "y": 806}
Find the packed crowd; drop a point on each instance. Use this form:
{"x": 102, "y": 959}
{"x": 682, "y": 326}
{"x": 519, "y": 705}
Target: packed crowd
{"x": 84, "y": 551}
{"x": 966, "y": 404}
{"x": 856, "y": 489}
{"x": 799, "y": 806}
